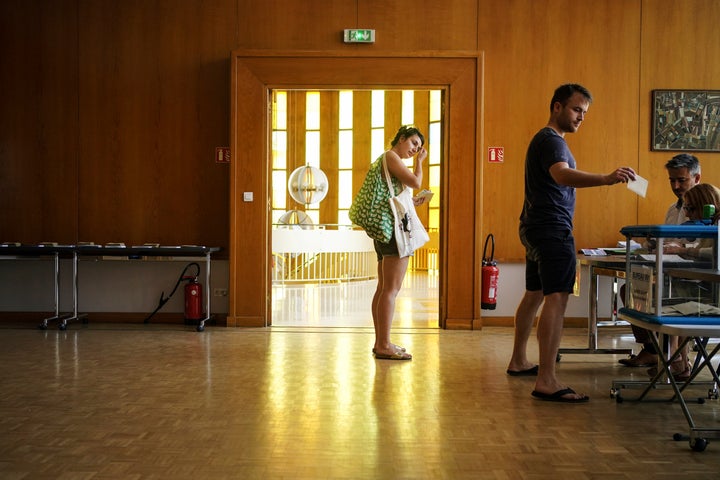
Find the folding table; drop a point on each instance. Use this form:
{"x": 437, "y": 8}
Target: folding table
{"x": 14, "y": 251}
{"x": 139, "y": 253}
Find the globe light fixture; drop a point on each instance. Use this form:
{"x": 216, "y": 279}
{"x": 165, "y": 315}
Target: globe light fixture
{"x": 296, "y": 218}
{"x": 308, "y": 185}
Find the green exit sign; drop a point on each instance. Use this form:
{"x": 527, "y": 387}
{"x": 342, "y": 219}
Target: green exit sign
{"x": 359, "y": 35}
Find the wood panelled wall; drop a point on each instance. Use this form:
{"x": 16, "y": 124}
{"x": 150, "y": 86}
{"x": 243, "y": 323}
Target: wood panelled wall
{"x": 683, "y": 52}
{"x": 111, "y": 114}
{"x": 112, "y": 109}
{"x": 621, "y": 51}
{"x": 39, "y": 121}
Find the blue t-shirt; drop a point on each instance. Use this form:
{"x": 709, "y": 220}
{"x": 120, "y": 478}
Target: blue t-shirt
{"x": 547, "y": 204}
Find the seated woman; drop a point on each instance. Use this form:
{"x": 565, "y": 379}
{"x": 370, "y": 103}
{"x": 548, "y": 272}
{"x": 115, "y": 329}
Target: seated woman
{"x": 693, "y": 202}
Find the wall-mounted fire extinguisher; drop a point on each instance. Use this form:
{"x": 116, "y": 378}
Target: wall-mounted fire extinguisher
{"x": 490, "y": 274}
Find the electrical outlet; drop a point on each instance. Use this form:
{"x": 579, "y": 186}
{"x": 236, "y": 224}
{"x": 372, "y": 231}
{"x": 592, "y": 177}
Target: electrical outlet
{"x": 220, "y": 292}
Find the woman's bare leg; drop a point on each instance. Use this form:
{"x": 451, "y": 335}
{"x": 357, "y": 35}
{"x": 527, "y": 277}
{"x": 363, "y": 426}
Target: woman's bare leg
{"x": 391, "y": 272}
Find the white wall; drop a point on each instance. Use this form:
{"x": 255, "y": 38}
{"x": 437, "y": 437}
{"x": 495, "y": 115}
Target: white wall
{"x": 511, "y": 287}
{"x": 26, "y": 285}
{"x": 136, "y": 286}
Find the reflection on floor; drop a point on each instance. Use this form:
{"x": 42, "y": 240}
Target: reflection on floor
{"x": 348, "y": 304}
{"x": 134, "y": 401}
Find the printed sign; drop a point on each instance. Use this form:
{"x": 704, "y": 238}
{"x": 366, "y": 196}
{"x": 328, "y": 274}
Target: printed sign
{"x": 496, "y": 154}
{"x": 222, "y": 154}
{"x": 641, "y": 288}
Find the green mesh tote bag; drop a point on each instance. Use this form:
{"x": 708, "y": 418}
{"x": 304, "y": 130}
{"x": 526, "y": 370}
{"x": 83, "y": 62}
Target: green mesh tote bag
{"x": 370, "y": 208}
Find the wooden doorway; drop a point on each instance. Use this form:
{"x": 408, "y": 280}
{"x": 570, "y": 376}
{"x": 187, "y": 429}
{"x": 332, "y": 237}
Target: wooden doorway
{"x": 254, "y": 74}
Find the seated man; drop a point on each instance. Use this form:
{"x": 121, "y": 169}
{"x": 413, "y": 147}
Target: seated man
{"x": 683, "y": 173}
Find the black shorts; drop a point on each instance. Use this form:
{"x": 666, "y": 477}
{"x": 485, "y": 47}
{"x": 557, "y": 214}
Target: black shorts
{"x": 386, "y": 249}
{"x": 550, "y": 261}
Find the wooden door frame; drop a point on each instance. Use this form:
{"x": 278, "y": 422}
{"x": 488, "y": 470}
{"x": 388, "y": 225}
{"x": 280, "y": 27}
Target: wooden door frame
{"x": 255, "y": 73}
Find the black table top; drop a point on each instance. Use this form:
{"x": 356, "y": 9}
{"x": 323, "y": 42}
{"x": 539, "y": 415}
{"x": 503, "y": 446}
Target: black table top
{"x": 114, "y": 251}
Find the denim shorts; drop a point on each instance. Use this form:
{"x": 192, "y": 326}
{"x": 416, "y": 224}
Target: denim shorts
{"x": 550, "y": 261}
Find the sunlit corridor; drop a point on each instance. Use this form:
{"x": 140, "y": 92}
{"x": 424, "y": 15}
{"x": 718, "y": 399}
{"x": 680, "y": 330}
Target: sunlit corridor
{"x": 347, "y": 304}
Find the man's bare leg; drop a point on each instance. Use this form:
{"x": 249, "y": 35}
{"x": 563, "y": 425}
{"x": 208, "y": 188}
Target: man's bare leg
{"x": 524, "y": 319}
{"x": 549, "y": 334}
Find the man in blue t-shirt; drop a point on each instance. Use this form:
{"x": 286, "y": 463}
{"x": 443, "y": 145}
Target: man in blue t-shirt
{"x": 546, "y": 225}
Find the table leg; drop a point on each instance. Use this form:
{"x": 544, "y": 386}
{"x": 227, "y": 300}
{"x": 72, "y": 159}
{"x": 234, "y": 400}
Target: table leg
{"x": 56, "y": 281}
{"x": 592, "y": 347}
{"x": 208, "y": 292}
{"x": 75, "y": 315}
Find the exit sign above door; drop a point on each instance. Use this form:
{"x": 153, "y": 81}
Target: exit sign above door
{"x": 359, "y": 35}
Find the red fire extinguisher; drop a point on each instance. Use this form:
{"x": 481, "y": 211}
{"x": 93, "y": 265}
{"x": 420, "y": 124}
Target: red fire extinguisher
{"x": 193, "y": 295}
{"x": 193, "y": 299}
{"x": 490, "y": 274}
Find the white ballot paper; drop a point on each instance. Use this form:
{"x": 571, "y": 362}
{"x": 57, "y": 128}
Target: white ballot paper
{"x": 639, "y": 185}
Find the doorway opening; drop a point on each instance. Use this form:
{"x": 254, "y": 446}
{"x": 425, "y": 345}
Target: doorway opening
{"x": 255, "y": 74}
{"x": 323, "y": 142}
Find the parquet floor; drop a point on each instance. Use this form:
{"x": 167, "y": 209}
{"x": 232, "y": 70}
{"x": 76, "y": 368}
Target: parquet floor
{"x": 165, "y": 402}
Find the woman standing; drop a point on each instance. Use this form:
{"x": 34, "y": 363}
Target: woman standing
{"x": 408, "y": 142}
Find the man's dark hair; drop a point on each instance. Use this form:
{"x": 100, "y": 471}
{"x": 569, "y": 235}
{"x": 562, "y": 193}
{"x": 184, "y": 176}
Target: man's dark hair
{"x": 685, "y": 160}
{"x": 564, "y": 92}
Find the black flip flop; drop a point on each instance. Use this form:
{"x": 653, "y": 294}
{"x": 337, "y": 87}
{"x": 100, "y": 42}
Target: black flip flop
{"x": 558, "y": 396}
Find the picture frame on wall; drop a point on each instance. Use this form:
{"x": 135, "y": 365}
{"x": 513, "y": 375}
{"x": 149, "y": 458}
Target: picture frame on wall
{"x": 686, "y": 120}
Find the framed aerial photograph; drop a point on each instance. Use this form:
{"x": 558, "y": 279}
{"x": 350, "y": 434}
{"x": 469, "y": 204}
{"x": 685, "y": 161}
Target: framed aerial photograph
{"x": 686, "y": 120}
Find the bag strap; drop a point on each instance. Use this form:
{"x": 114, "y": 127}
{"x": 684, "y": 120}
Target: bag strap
{"x": 391, "y": 188}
